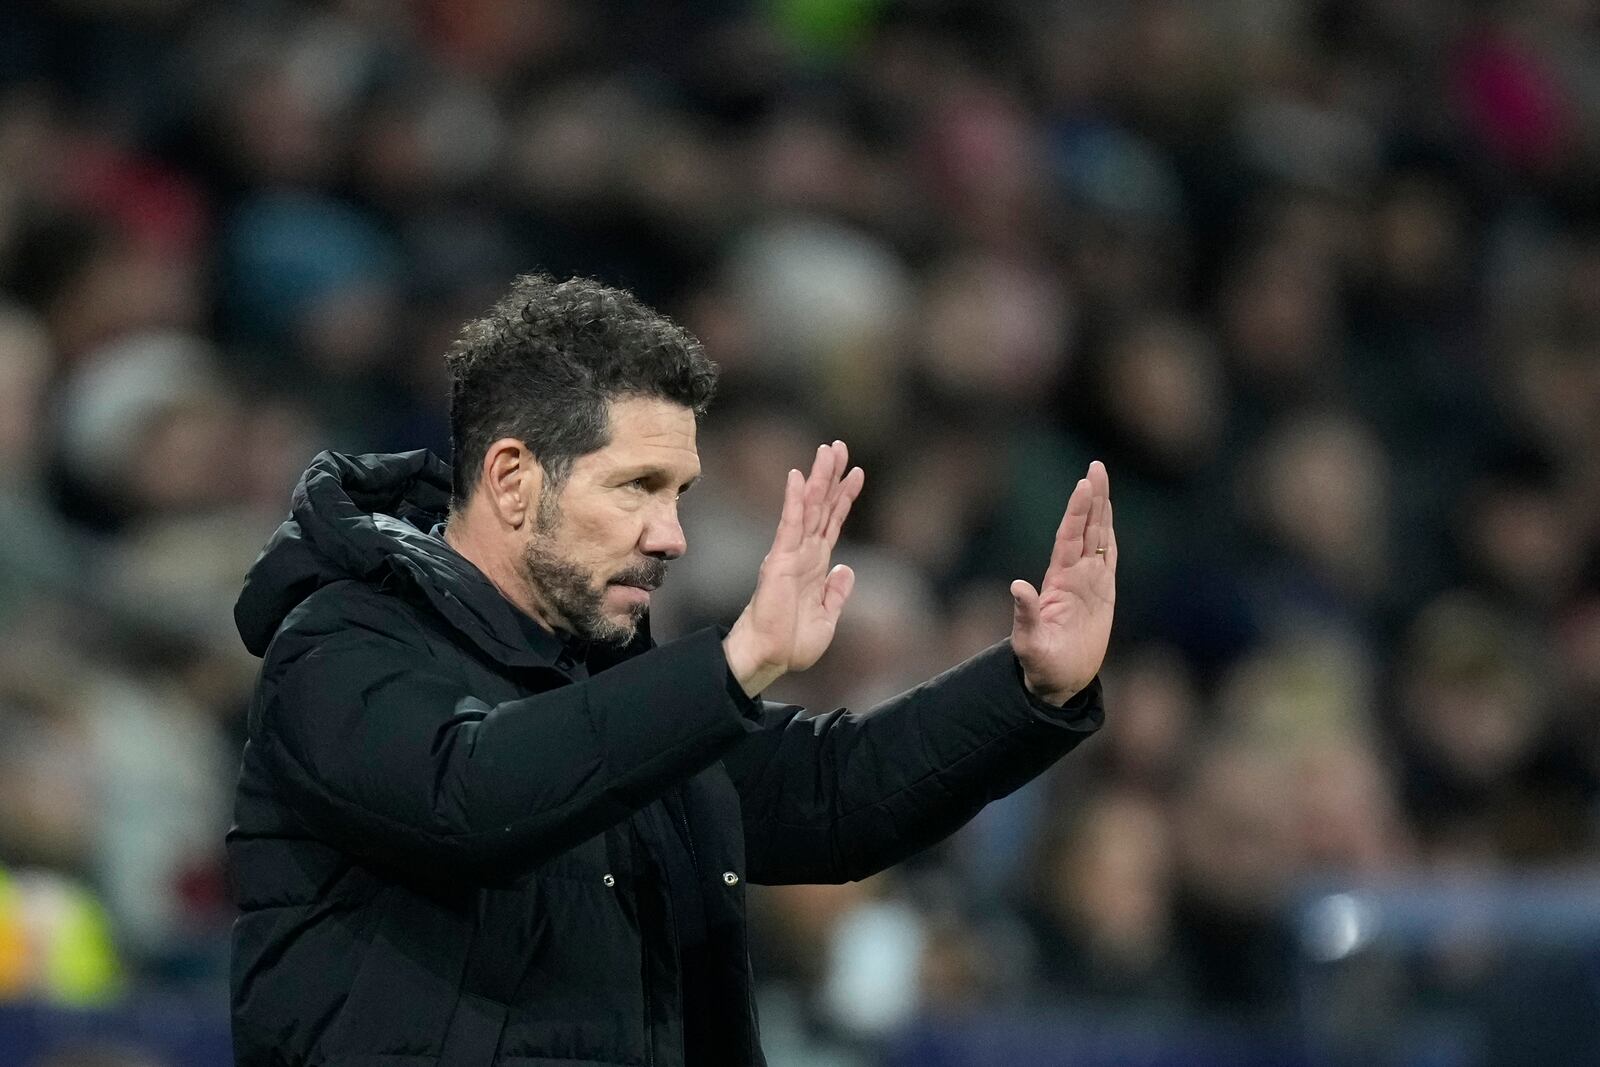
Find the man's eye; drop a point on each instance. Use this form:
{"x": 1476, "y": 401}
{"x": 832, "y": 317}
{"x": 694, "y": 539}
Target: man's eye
{"x": 640, "y": 483}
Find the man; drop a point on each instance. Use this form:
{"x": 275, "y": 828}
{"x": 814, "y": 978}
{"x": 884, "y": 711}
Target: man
{"x": 482, "y": 819}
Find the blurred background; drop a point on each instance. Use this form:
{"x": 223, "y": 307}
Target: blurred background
{"x": 1319, "y": 281}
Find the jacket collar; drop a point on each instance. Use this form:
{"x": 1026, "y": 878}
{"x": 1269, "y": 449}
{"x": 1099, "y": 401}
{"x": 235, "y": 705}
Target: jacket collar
{"x": 551, "y": 648}
{"x": 378, "y": 519}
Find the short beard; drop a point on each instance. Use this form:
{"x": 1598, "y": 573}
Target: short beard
{"x": 566, "y": 590}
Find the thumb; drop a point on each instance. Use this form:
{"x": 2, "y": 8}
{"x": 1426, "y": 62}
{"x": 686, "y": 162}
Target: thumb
{"x": 1024, "y": 609}
{"x": 836, "y": 590}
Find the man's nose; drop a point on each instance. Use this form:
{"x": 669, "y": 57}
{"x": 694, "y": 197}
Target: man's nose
{"x": 663, "y": 537}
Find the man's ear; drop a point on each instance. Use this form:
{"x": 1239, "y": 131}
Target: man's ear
{"x": 512, "y": 480}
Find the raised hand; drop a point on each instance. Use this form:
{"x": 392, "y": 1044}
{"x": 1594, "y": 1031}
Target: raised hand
{"x": 791, "y": 617}
{"x": 1060, "y": 632}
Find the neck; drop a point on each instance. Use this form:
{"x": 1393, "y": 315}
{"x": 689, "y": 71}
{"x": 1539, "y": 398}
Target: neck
{"x": 499, "y": 566}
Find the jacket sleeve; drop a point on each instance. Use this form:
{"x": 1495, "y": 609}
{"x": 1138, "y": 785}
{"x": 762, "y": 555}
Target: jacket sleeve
{"x": 381, "y": 750}
{"x": 840, "y": 796}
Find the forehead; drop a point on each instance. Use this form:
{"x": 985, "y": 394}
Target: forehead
{"x": 649, "y": 430}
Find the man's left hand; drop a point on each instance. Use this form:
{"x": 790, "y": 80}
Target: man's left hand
{"x": 1060, "y": 632}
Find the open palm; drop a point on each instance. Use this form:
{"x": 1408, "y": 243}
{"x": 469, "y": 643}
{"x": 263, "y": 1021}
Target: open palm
{"x": 791, "y": 618}
{"x": 1059, "y": 632}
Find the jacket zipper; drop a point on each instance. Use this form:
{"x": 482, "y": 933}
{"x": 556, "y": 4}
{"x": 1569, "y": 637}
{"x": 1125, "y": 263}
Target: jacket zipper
{"x": 672, "y": 920}
{"x": 682, "y": 816}
{"x": 645, "y": 950}
{"x": 688, "y": 836}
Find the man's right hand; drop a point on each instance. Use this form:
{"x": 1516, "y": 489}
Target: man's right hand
{"x": 791, "y": 617}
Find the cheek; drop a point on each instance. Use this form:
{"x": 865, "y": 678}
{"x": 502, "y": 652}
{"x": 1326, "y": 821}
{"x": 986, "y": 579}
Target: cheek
{"x": 604, "y": 540}
{"x": 622, "y": 529}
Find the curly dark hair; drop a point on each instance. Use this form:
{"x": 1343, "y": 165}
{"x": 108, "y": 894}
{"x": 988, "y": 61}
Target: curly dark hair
{"x": 544, "y": 364}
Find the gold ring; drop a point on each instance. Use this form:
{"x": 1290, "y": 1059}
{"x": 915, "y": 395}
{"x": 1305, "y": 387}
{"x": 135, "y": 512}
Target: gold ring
{"x": 1100, "y": 551}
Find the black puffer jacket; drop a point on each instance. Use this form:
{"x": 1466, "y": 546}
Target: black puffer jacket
{"x": 460, "y": 841}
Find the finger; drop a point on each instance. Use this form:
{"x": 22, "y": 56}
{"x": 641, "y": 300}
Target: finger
{"x": 791, "y": 522}
{"x": 836, "y": 590}
{"x": 1095, "y": 528}
{"x": 841, "y": 470}
{"x": 849, "y": 490}
{"x": 821, "y": 468}
{"x": 1100, "y": 478}
{"x": 1070, "y": 534}
{"x": 817, "y": 489}
{"x": 1099, "y": 532}
{"x": 1111, "y": 538}
{"x": 1024, "y": 610}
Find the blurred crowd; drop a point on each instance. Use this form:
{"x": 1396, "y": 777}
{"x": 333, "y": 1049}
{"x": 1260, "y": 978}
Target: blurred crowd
{"x": 1319, "y": 281}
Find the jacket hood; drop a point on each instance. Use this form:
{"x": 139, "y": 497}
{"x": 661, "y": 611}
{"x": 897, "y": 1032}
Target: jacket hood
{"x": 371, "y": 518}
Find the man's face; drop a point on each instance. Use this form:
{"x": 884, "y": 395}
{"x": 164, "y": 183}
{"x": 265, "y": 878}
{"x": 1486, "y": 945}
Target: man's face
{"x": 601, "y": 543}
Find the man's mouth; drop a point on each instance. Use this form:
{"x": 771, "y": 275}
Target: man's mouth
{"x": 645, "y": 578}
